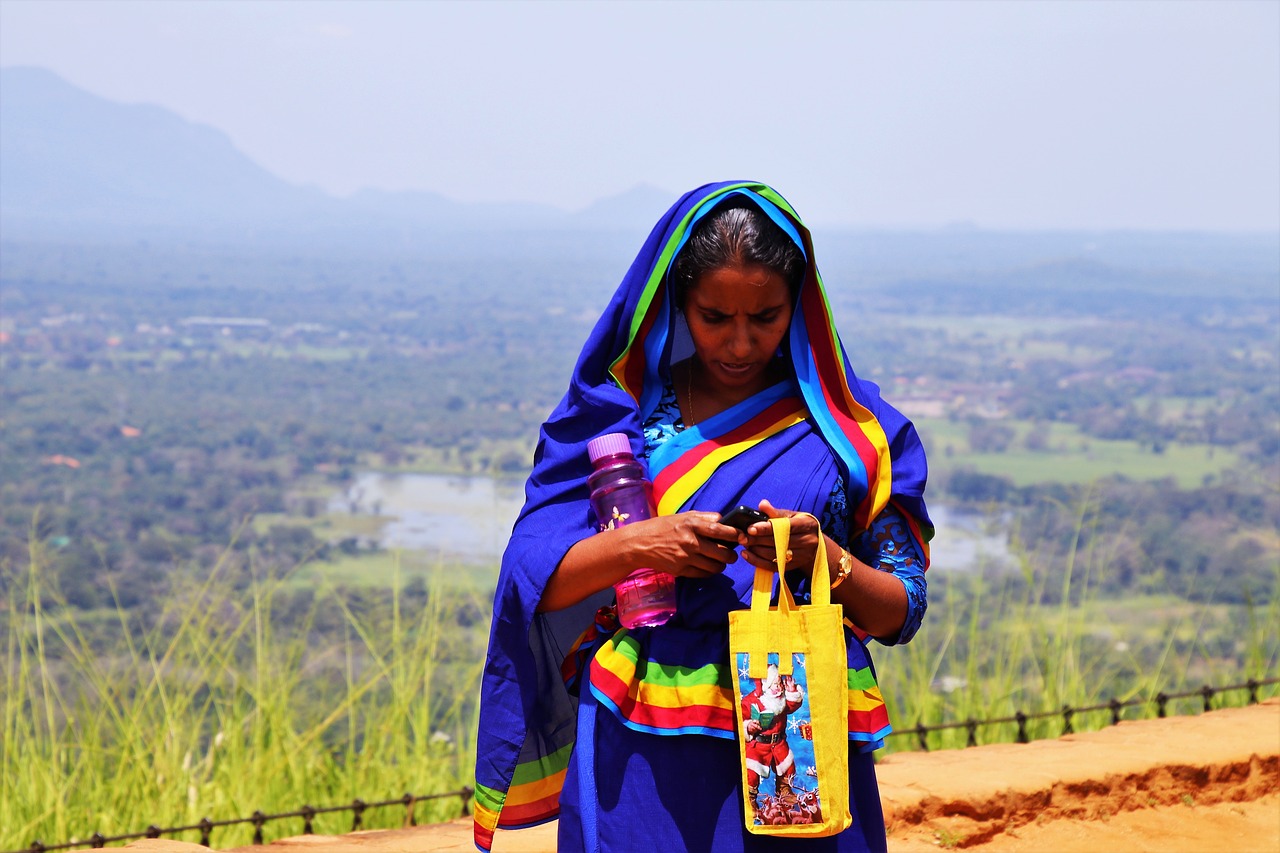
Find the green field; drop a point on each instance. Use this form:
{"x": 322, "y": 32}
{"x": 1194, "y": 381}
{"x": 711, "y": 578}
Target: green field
{"x": 1072, "y": 457}
{"x": 373, "y": 568}
{"x": 377, "y": 568}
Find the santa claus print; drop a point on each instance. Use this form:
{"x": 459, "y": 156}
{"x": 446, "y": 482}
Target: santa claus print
{"x": 773, "y": 708}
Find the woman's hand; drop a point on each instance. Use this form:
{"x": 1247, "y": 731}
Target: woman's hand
{"x": 757, "y": 542}
{"x": 688, "y": 544}
{"x": 874, "y": 600}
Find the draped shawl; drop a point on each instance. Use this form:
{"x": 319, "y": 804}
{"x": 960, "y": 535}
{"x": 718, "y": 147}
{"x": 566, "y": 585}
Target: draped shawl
{"x": 787, "y": 444}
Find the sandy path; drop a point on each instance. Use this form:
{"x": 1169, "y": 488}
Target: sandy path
{"x": 1184, "y": 783}
{"x": 1196, "y": 784}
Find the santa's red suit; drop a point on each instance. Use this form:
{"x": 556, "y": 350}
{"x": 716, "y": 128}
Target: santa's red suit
{"x": 766, "y": 747}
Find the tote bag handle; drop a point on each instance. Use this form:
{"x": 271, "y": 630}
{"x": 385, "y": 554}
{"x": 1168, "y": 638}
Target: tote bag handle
{"x": 762, "y": 591}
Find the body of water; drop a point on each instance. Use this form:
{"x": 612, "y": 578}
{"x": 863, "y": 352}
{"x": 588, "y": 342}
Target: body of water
{"x": 966, "y": 540}
{"x": 470, "y": 519}
{"x": 462, "y": 518}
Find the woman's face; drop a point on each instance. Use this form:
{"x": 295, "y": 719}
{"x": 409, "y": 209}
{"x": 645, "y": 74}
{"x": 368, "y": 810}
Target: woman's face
{"x": 738, "y": 316}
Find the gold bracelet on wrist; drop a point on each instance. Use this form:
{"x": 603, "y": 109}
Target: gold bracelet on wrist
{"x": 845, "y": 568}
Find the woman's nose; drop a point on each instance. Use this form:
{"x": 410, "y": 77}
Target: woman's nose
{"x": 740, "y": 343}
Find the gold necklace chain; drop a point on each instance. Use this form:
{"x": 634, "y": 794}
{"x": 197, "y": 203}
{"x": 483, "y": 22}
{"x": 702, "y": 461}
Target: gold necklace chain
{"x": 689, "y": 420}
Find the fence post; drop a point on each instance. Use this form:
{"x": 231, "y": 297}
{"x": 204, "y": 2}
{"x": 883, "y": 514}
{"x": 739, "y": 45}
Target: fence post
{"x": 258, "y": 819}
{"x": 410, "y": 819}
{"x": 1022, "y": 727}
{"x": 1067, "y": 713}
{"x": 206, "y": 827}
{"x": 467, "y": 792}
{"x": 922, "y": 734}
{"x": 97, "y": 841}
{"x": 1207, "y": 693}
{"x": 1252, "y": 684}
{"x": 308, "y": 815}
{"x": 1115, "y": 710}
{"x": 1161, "y": 701}
{"x": 972, "y": 725}
{"x": 153, "y": 831}
{"x": 357, "y": 813}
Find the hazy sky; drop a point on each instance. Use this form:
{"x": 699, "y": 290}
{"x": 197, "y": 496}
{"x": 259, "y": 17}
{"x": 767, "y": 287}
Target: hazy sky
{"x": 1003, "y": 114}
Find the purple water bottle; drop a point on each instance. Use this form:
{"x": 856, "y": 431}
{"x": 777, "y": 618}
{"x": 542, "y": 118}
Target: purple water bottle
{"x": 621, "y": 494}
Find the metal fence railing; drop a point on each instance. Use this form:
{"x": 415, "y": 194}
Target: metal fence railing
{"x": 1067, "y": 713}
{"x": 259, "y": 820}
{"x": 358, "y": 807}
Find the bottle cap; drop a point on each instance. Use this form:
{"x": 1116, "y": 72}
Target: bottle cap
{"x": 609, "y": 444}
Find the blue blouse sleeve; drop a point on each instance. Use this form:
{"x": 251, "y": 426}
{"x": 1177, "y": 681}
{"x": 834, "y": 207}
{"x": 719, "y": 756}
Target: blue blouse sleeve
{"x": 886, "y": 545}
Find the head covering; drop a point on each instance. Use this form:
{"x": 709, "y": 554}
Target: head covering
{"x": 854, "y": 421}
{"x": 526, "y": 716}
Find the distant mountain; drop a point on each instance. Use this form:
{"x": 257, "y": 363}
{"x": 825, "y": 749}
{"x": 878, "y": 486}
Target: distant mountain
{"x": 69, "y": 156}
{"x": 74, "y": 164}
{"x": 637, "y": 208}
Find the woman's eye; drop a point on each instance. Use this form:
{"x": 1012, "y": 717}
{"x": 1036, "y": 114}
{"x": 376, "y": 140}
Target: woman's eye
{"x": 768, "y": 317}
{"x": 713, "y": 318}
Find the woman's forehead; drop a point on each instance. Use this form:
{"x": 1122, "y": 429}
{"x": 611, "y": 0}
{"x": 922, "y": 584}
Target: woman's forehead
{"x": 740, "y": 287}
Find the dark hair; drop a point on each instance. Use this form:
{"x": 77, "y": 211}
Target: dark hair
{"x": 737, "y": 233}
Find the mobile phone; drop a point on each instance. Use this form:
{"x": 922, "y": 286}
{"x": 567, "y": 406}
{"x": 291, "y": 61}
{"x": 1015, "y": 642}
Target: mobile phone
{"x": 742, "y": 517}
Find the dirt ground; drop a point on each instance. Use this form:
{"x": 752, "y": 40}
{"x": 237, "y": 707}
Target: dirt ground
{"x": 1197, "y": 784}
{"x": 1205, "y": 783}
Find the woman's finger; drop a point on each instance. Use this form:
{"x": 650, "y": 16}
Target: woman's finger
{"x": 758, "y": 561}
{"x": 715, "y": 551}
{"x": 802, "y": 523}
{"x": 762, "y": 545}
{"x": 768, "y": 508}
{"x": 762, "y": 561}
{"x": 701, "y": 516}
{"x": 720, "y": 533}
{"x": 808, "y": 525}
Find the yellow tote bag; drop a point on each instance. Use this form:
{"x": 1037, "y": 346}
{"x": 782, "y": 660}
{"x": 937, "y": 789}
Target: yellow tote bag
{"x": 792, "y": 692}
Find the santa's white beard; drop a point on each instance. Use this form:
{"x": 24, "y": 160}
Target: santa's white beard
{"x": 773, "y": 704}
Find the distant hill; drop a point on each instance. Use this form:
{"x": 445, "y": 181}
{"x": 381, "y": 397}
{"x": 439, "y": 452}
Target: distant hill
{"x": 637, "y": 208}
{"x": 74, "y": 164}
{"x": 67, "y": 156}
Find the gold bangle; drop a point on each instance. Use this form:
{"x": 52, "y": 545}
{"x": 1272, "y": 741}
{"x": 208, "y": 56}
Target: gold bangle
{"x": 845, "y": 568}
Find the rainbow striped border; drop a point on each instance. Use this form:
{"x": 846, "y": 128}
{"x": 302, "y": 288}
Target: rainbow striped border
{"x": 676, "y": 481}
{"x": 667, "y": 700}
{"x": 533, "y": 798}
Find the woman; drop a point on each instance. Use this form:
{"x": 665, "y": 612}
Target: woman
{"x": 717, "y": 355}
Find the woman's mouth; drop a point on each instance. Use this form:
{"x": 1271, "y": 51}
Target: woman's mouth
{"x": 736, "y": 369}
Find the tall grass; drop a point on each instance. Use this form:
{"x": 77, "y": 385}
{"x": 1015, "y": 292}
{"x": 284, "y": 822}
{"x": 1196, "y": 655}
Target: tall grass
{"x": 1039, "y": 639}
{"x": 228, "y": 697}
{"x": 203, "y": 706}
